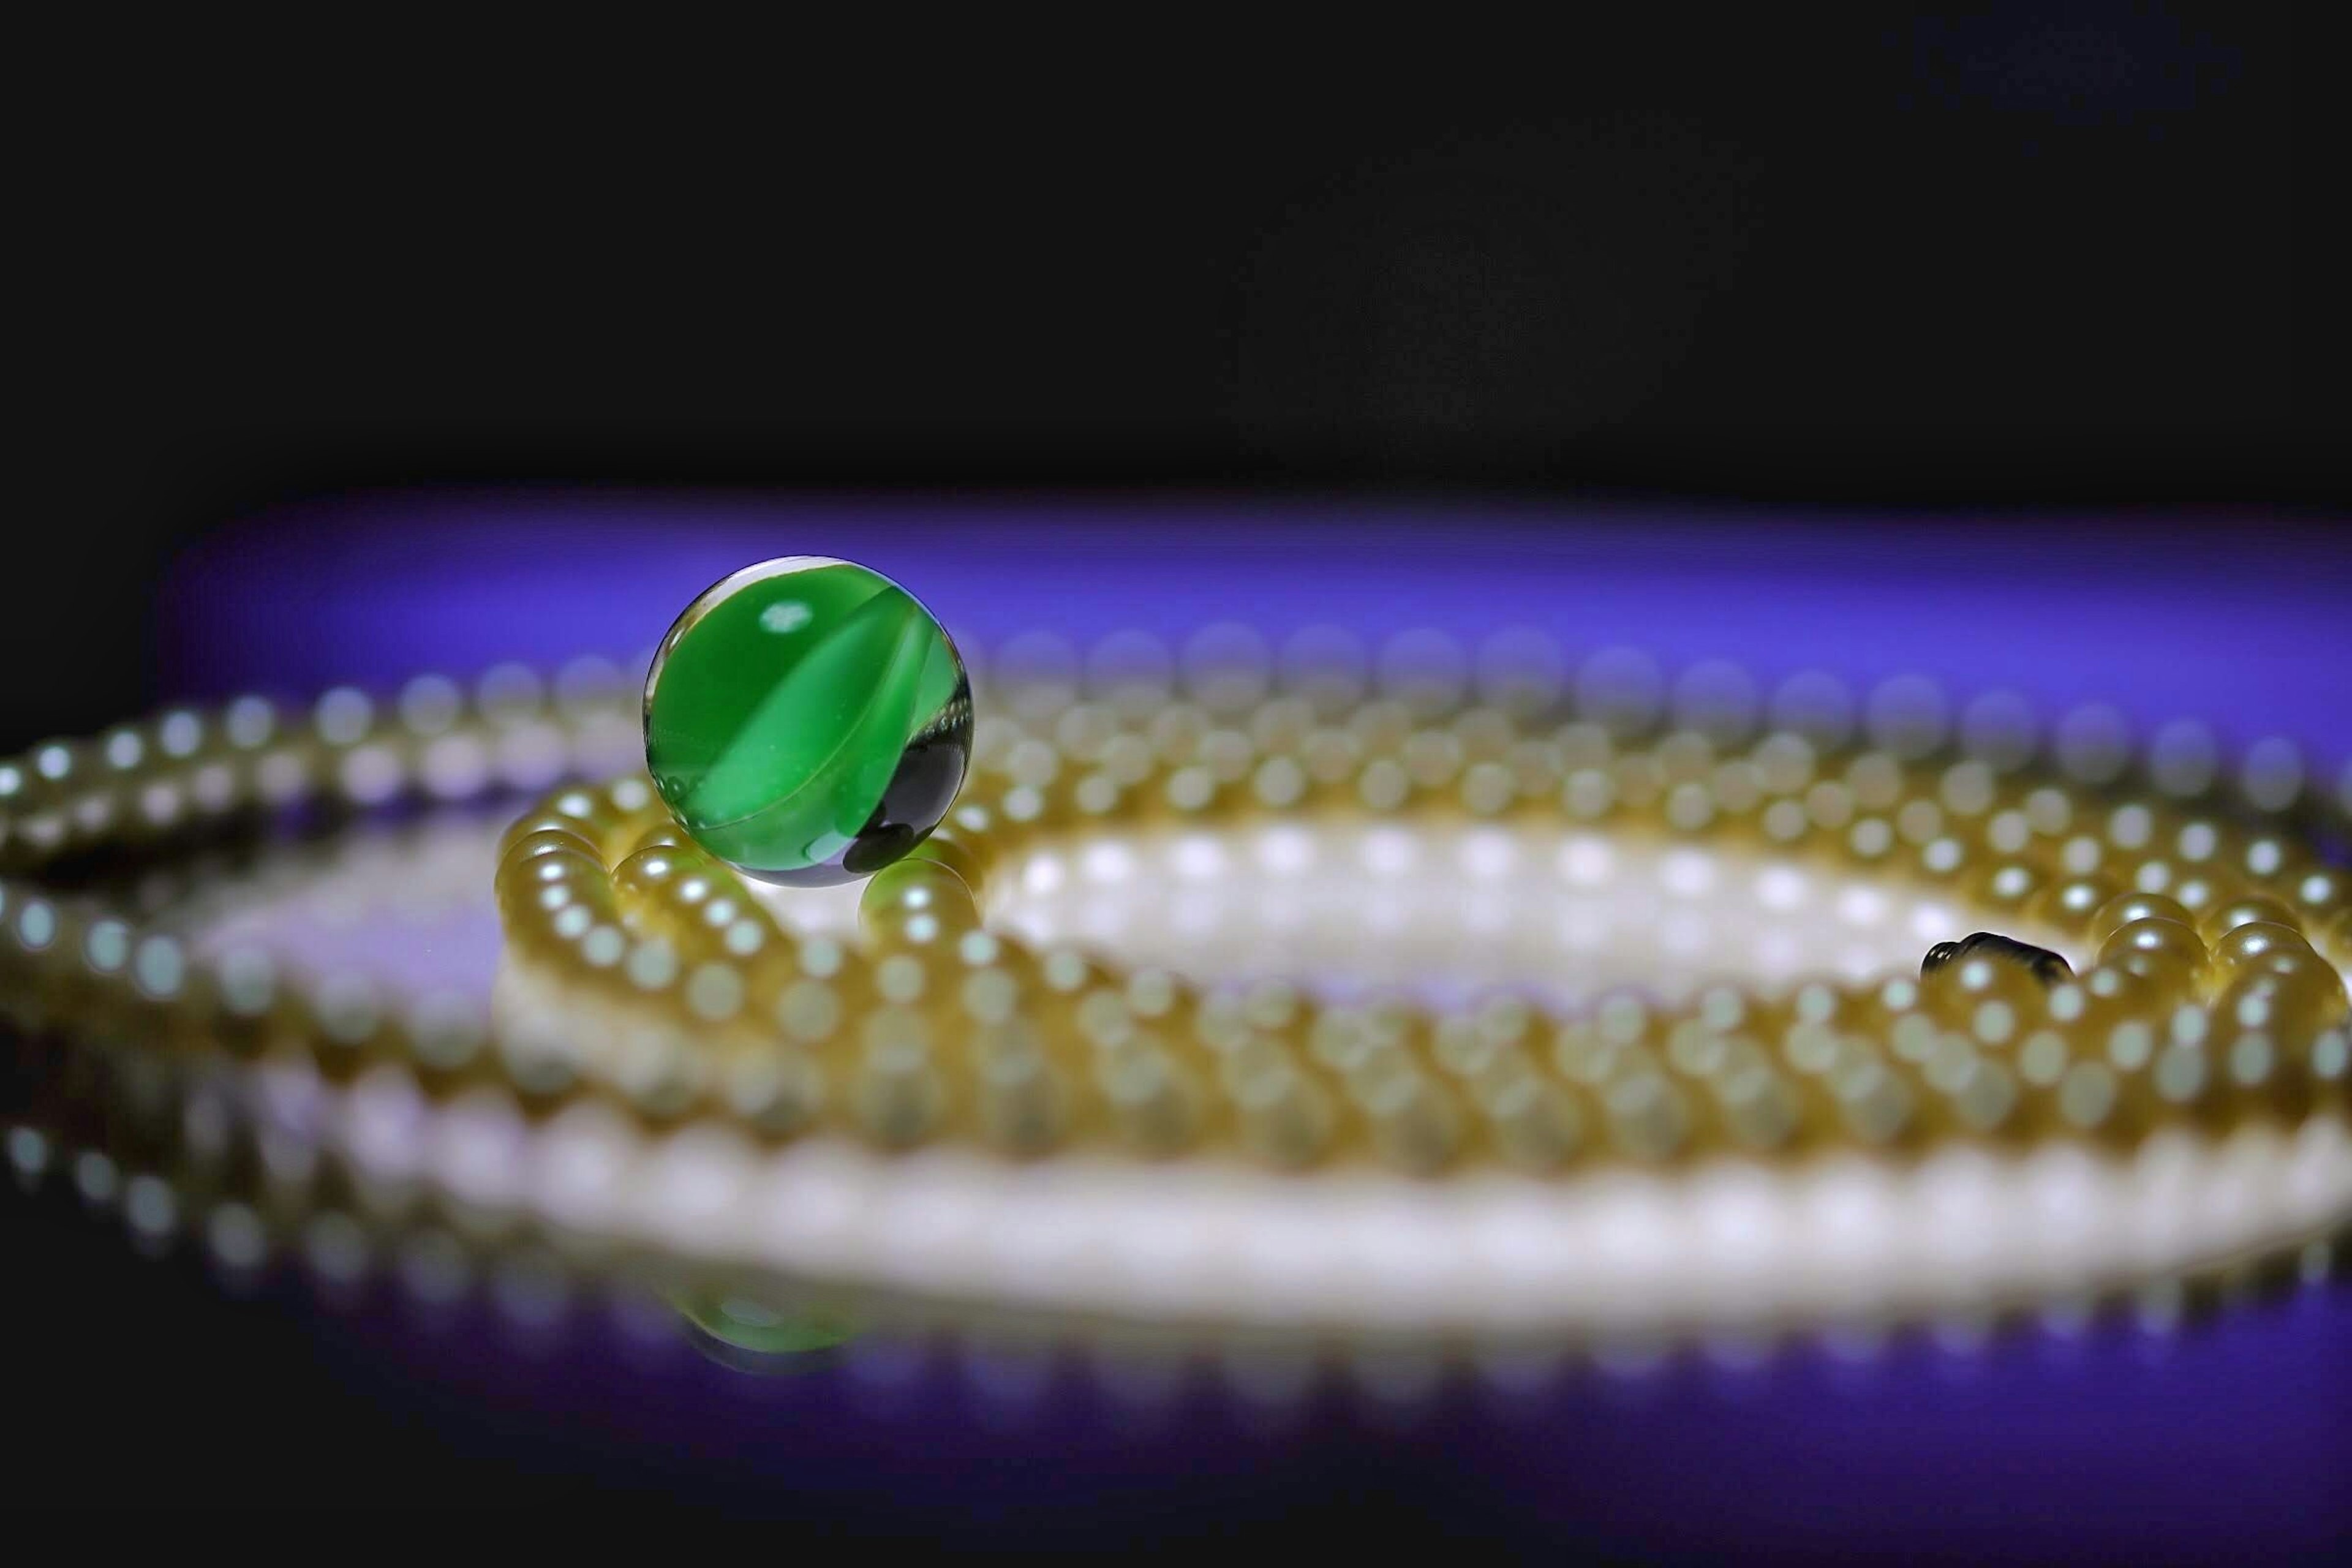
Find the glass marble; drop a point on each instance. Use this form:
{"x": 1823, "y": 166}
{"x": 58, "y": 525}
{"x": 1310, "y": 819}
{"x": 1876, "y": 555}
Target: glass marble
{"x": 807, "y": 721}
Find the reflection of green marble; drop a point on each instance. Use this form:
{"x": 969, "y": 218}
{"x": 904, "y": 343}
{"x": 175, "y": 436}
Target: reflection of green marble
{"x": 807, "y": 720}
{"x": 753, "y": 1336}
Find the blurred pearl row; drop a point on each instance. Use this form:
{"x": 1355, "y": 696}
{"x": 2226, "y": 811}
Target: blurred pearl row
{"x": 1731, "y": 1247}
{"x": 1036, "y": 677}
{"x": 1728, "y": 1247}
{"x": 2256, "y": 1189}
{"x": 1005, "y": 1365}
{"x": 1228, "y": 667}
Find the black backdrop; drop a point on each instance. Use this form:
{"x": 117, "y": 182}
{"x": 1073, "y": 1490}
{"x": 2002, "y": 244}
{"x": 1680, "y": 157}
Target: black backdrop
{"x": 1905, "y": 256}
{"x": 2023, "y": 254}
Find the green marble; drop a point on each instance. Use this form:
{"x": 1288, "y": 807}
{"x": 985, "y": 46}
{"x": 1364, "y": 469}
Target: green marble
{"x": 807, "y": 721}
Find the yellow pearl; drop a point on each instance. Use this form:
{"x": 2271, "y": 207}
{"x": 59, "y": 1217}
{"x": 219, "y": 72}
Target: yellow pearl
{"x": 2152, "y": 933}
{"x": 2197, "y": 893}
{"x": 916, "y": 902}
{"x": 956, "y": 851}
{"x": 1411, "y": 1120}
{"x": 2322, "y": 892}
{"x": 2265, "y": 856}
{"x": 2090, "y": 1100}
{"x": 1154, "y": 1104}
{"x": 2256, "y": 939}
{"x": 1874, "y": 1103}
{"x": 534, "y": 832}
{"x": 778, "y": 1092}
{"x": 2070, "y": 906}
{"x": 1758, "y": 1108}
{"x": 1983, "y": 991}
{"x": 659, "y": 839}
{"x": 592, "y": 809}
{"x": 1283, "y": 1115}
{"x": 650, "y": 869}
{"x": 1534, "y": 1123}
{"x": 2278, "y": 1038}
{"x": 2325, "y": 1062}
{"x": 2127, "y": 907}
{"x": 2309, "y": 992}
{"x": 1021, "y": 1098}
{"x": 2166, "y": 952}
{"x": 2012, "y": 887}
{"x": 1975, "y": 1093}
{"x": 896, "y": 1091}
{"x": 2089, "y": 1007}
{"x": 1820, "y": 1000}
{"x": 2302, "y": 969}
{"x": 1646, "y": 1118}
{"x": 542, "y": 859}
{"x": 2229, "y": 914}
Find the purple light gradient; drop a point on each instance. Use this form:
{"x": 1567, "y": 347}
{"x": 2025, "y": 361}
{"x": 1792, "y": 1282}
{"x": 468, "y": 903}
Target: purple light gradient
{"x": 2237, "y": 622}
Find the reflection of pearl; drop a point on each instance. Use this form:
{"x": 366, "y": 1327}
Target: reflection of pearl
{"x": 1726, "y": 1244}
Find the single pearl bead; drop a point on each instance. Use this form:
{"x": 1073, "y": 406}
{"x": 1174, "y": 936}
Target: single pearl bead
{"x": 916, "y": 902}
{"x": 953, "y": 849}
{"x": 651, "y": 867}
{"x": 2256, "y": 939}
{"x": 2228, "y": 916}
{"x": 2294, "y": 964}
{"x": 664, "y": 835}
{"x": 1534, "y": 1122}
{"x": 2070, "y": 906}
{"x": 2197, "y": 894}
{"x": 1152, "y": 1102}
{"x": 2120, "y": 912}
{"x": 2010, "y": 888}
{"x": 2288, "y": 1007}
{"x": 1960, "y": 992}
{"x": 2322, "y": 891}
{"x": 2163, "y": 952}
{"x": 542, "y": 834}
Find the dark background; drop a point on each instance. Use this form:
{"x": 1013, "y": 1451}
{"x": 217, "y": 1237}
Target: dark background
{"x": 1958, "y": 259}
{"x": 1964, "y": 257}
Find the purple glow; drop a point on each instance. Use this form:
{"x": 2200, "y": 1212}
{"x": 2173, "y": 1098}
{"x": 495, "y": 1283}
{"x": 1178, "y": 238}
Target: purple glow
{"x": 2228, "y": 621}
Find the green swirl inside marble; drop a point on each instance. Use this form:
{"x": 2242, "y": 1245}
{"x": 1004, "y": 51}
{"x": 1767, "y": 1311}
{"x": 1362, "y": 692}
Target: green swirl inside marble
{"x": 782, "y": 704}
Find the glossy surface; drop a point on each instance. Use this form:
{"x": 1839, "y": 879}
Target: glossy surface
{"x": 807, "y": 721}
{"x": 2048, "y": 967}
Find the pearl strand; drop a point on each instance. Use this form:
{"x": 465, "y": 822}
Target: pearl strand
{"x": 2207, "y": 1005}
{"x": 1164, "y": 1068}
{"x": 80, "y": 968}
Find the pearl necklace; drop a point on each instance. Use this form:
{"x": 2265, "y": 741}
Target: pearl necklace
{"x": 2203, "y": 1002}
{"x": 644, "y": 977}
